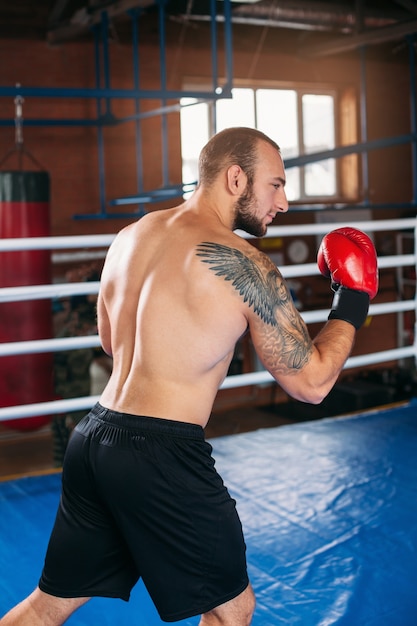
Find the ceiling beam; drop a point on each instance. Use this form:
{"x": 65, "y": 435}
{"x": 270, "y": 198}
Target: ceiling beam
{"x": 57, "y": 10}
{"x": 368, "y": 37}
{"x": 82, "y": 20}
{"x": 410, "y": 5}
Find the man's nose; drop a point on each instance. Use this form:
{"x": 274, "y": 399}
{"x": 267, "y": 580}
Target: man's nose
{"x": 282, "y": 202}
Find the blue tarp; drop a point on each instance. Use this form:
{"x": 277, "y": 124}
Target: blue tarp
{"x": 329, "y": 510}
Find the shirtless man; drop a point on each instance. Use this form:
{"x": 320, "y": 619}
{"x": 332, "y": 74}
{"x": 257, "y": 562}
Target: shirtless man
{"x": 141, "y": 496}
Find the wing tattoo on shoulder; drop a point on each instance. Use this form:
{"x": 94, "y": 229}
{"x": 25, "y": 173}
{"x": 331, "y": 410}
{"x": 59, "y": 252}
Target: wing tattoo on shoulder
{"x": 286, "y": 345}
{"x": 264, "y": 292}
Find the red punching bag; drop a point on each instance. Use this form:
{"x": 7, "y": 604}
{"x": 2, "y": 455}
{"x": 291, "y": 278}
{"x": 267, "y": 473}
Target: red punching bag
{"x": 24, "y": 212}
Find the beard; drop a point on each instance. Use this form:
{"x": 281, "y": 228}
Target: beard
{"x": 245, "y": 214}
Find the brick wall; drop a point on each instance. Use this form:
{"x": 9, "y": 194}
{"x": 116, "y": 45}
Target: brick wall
{"x": 70, "y": 153}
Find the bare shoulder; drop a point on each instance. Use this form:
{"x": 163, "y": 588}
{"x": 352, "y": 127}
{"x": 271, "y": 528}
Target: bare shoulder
{"x": 237, "y": 247}
{"x": 148, "y": 221}
{"x": 251, "y": 273}
{"x": 278, "y": 331}
{"x": 138, "y": 238}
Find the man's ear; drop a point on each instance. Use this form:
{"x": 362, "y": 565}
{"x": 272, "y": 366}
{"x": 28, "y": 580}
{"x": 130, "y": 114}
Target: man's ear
{"x": 236, "y": 180}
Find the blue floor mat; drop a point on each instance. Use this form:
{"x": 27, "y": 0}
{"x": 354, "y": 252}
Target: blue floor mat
{"x": 329, "y": 511}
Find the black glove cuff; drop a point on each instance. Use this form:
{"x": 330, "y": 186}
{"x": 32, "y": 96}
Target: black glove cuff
{"x": 350, "y": 305}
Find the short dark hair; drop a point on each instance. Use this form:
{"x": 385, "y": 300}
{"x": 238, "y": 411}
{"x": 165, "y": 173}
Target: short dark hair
{"x": 232, "y": 146}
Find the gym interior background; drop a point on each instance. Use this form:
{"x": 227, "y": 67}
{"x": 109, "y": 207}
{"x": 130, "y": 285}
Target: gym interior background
{"x": 99, "y": 94}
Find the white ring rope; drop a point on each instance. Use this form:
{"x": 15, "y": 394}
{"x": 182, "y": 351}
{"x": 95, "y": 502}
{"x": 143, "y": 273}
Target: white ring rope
{"x": 93, "y": 341}
{"x": 318, "y": 229}
{"x": 55, "y": 243}
{"x": 41, "y": 292}
{"x": 34, "y": 292}
{"x": 59, "y": 344}
{"x": 99, "y": 241}
{"x": 254, "y": 378}
{"x": 310, "y": 269}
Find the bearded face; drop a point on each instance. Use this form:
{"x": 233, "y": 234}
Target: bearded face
{"x": 246, "y": 217}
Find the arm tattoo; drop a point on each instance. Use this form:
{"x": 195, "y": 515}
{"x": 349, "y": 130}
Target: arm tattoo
{"x": 260, "y": 284}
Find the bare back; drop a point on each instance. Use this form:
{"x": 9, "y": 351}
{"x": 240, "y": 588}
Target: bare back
{"x": 179, "y": 288}
{"x": 170, "y": 324}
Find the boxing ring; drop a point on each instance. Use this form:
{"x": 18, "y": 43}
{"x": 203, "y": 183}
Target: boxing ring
{"x": 329, "y": 510}
{"x": 329, "y": 507}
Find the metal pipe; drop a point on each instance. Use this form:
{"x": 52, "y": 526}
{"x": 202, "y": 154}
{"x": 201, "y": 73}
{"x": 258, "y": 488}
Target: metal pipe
{"x": 100, "y": 138}
{"x": 228, "y": 46}
{"x": 413, "y": 108}
{"x": 171, "y": 108}
{"x": 364, "y": 126}
{"x": 88, "y": 92}
{"x": 163, "y": 78}
{"x": 136, "y": 81}
{"x": 364, "y": 146}
{"x": 106, "y": 61}
{"x": 214, "y": 56}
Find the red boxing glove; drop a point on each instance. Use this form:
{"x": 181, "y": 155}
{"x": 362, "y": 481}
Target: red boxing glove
{"x": 348, "y": 256}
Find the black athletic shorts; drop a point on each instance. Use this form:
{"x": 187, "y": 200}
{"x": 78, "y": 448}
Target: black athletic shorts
{"x": 141, "y": 498}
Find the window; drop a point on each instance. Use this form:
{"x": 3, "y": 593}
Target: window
{"x": 300, "y": 121}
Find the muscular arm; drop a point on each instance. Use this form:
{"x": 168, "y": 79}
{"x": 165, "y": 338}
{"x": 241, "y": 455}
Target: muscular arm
{"x": 306, "y": 369}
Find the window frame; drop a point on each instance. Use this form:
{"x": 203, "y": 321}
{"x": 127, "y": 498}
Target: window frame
{"x": 342, "y": 190}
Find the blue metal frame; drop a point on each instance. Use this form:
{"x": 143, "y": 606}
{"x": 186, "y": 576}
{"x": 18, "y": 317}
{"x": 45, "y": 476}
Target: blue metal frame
{"x": 413, "y": 113}
{"x": 103, "y": 93}
{"x": 166, "y": 191}
{"x": 141, "y": 210}
{"x": 164, "y": 121}
{"x": 364, "y": 126}
{"x": 100, "y": 137}
{"x": 88, "y": 92}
